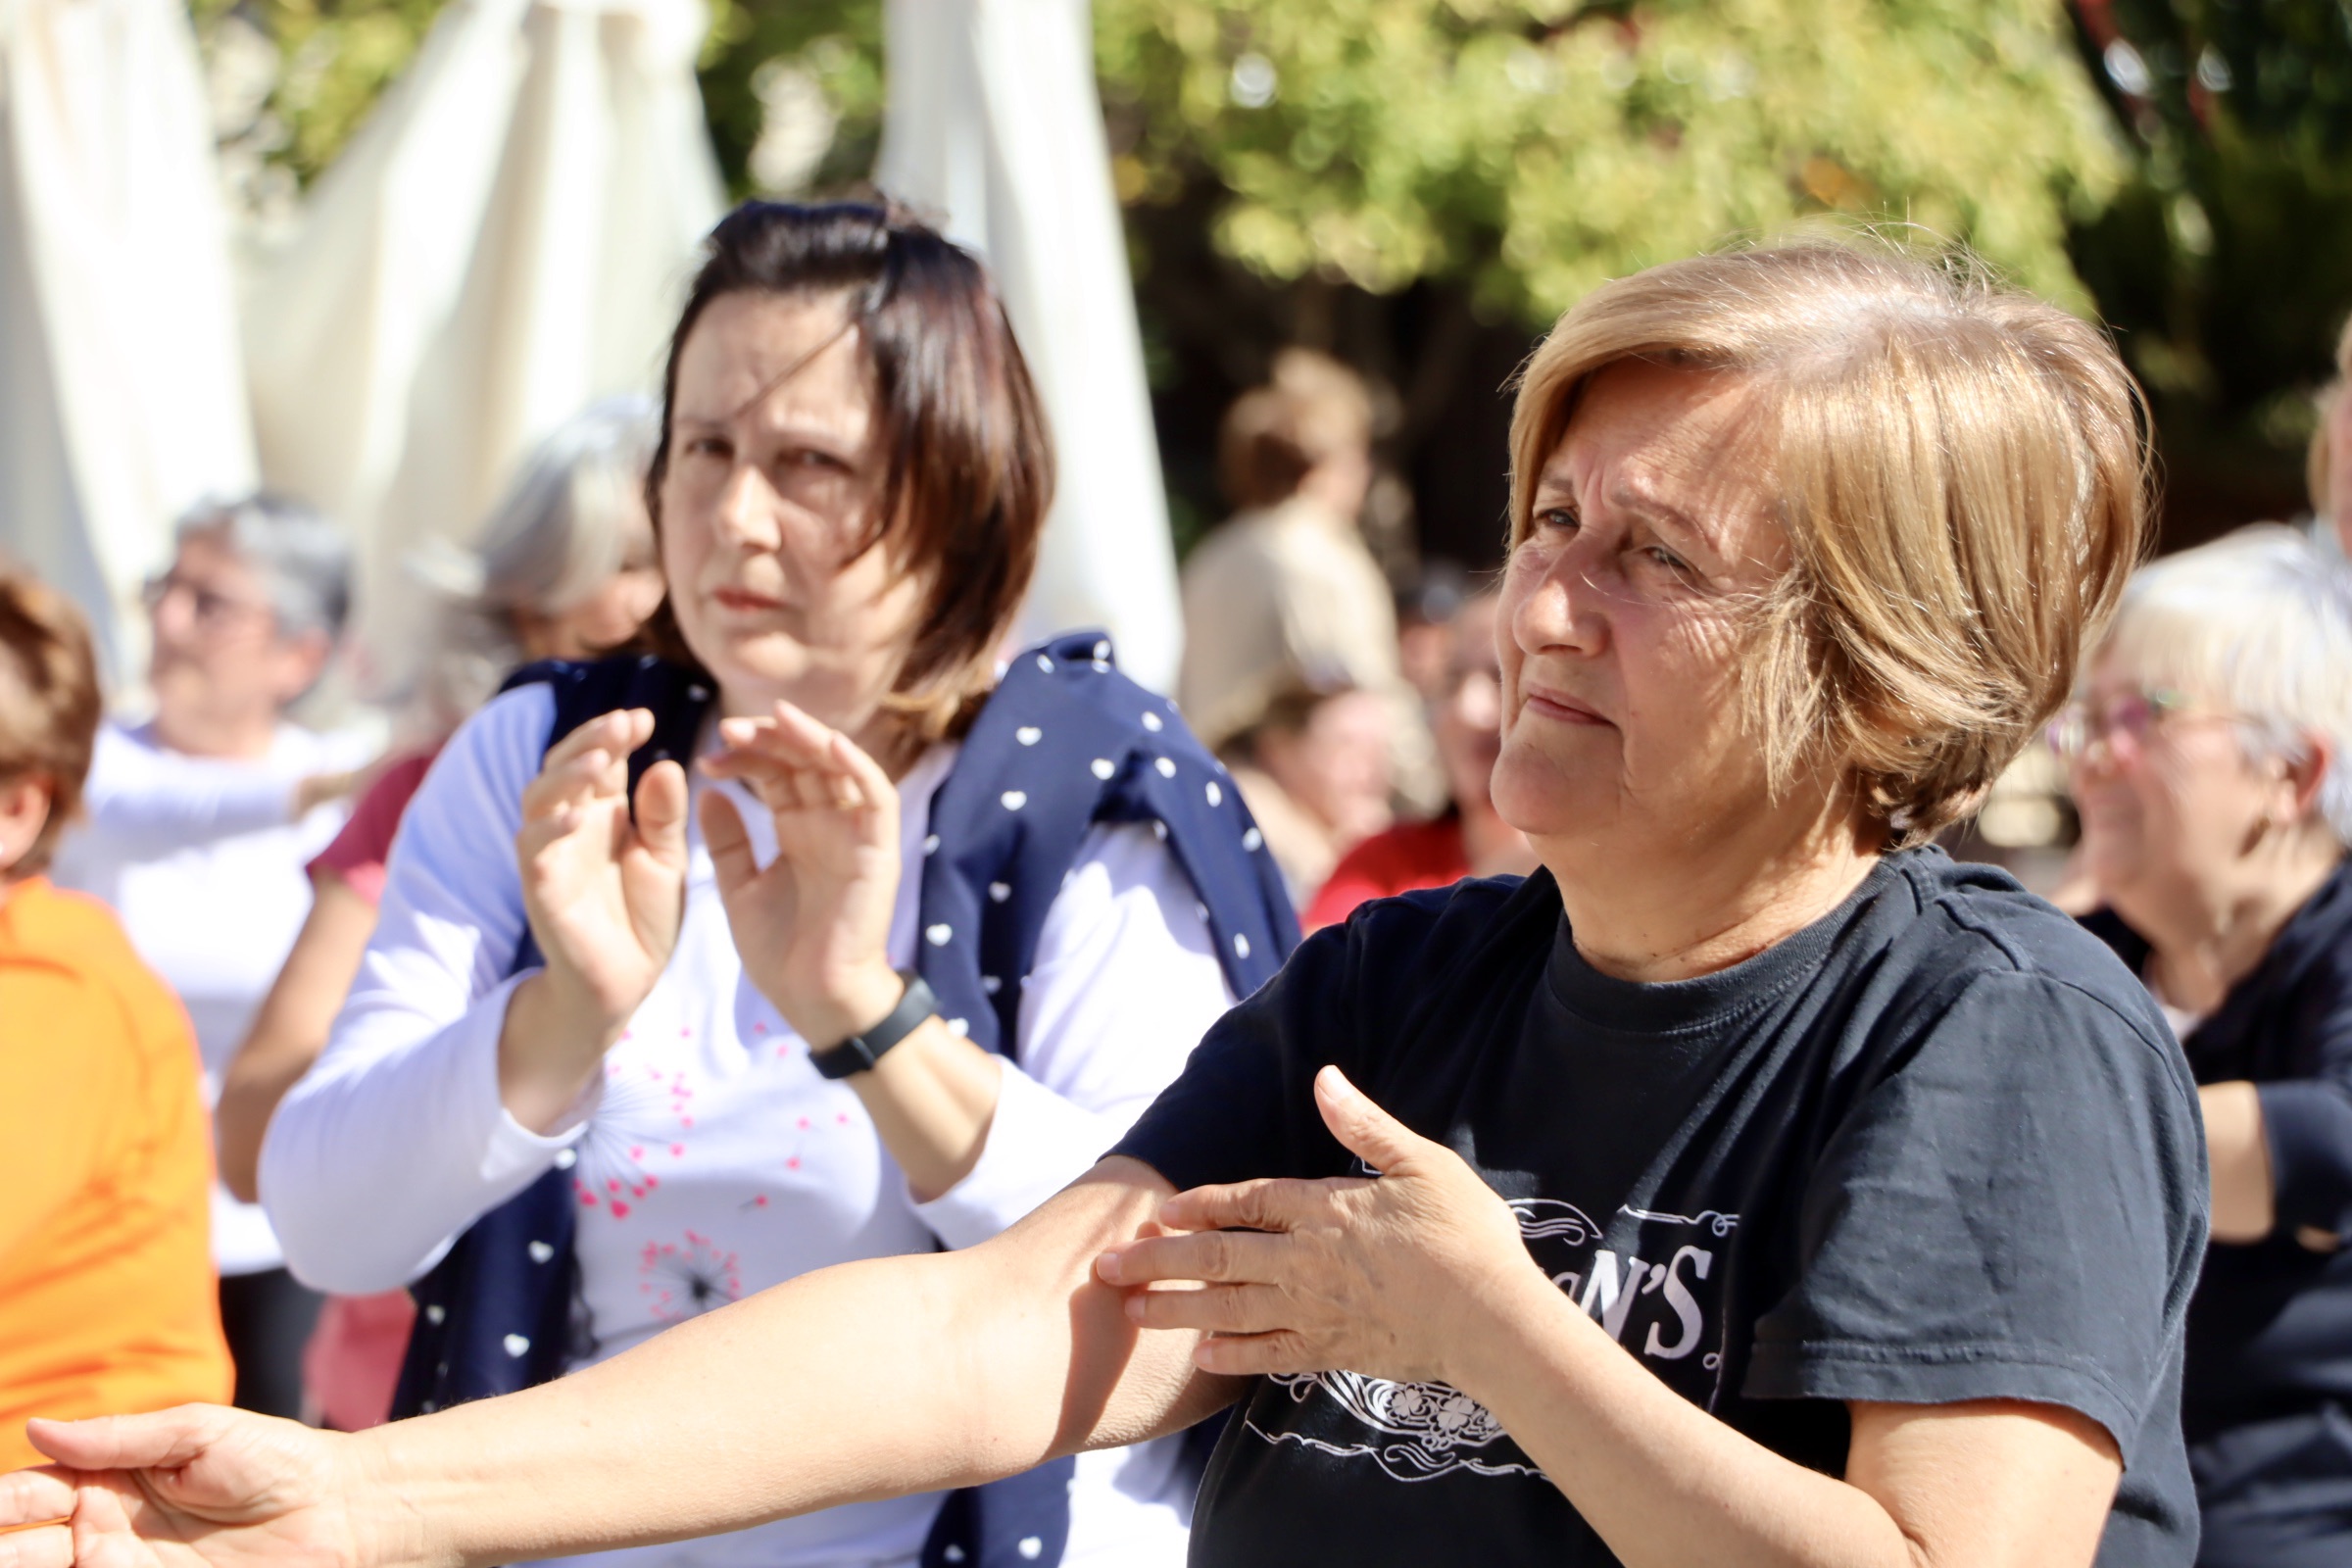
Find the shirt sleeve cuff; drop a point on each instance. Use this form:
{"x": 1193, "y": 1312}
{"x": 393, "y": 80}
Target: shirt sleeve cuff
{"x": 511, "y": 1150}
{"x": 2308, "y": 1124}
{"x": 1037, "y": 1144}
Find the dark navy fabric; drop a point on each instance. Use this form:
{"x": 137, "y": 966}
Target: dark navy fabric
{"x": 1064, "y": 743}
{"x": 2267, "y": 1401}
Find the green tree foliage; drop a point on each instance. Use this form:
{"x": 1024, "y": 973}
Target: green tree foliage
{"x": 1534, "y": 148}
{"x": 334, "y": 59}
{"x": 1418, "y": 185}
{"x": 1528, "y": 147}
{"x": 2221, "y": 259}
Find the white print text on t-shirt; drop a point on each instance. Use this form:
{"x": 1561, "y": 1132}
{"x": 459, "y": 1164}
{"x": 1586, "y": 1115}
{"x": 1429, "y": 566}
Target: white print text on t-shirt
{"x": 1655, "y": 1292}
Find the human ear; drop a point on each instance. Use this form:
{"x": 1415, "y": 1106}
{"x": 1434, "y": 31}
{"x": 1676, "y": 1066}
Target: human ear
{"x": 2303, "y": 777}
{"x": 301, "y": 660}
{"x": 23, "y": 813}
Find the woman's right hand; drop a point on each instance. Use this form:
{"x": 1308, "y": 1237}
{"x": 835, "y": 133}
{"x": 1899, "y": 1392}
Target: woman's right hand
{"x": 604, "y": 895}
{"x": 197, "y": 1487}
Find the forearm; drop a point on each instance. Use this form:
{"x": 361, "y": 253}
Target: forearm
{"x": 291, "y": 1028}
{"x": 193, "y": 803}
{"x": 2244, "y": 1201}
{"x": 871, "y": 1379}
{"x": 1663, "y": 1482}
{"x": 551, "y": 1048}
{"x": 932, "y": 1099}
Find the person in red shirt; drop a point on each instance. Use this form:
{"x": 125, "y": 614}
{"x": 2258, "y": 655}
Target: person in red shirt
{"x": 1470, "y": 838}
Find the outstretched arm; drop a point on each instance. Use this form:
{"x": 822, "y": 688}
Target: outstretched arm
{"x": 870, "y": 1380}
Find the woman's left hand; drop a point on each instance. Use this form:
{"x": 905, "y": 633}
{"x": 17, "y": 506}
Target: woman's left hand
{"x": 1391, "y": 1276}
{"x": 812, "y": 926}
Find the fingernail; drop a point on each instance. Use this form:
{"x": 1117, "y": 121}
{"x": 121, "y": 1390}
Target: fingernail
{"x": 1135, "y": 1309}
{"x": 1107, "y": 1265}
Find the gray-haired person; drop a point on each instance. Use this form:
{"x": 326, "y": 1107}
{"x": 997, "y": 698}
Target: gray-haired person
{"x": 2208, "y": 748}
{"x": 199, "y": 819}
{"x": 564, "y": 567}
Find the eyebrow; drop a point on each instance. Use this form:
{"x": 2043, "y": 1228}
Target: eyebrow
{"x": 1555, "y": 478}
{"x": 1626, "y": 499}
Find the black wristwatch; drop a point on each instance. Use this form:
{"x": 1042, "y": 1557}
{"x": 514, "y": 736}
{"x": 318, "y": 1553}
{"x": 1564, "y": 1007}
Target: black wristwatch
{"x": 859, "y": 1053}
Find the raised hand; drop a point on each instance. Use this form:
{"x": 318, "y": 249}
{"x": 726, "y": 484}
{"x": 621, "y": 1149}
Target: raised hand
{"x": 1385, "y": 1276}
{"x": 197, "y": 1487}
{"x": 811, "y": 927}
{"x": 604, "y": 896}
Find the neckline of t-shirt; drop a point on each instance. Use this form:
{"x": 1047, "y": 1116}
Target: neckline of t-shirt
{"x": 1707, "y": 1000}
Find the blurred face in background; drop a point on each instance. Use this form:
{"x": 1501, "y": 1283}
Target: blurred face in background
{"x": 1337, "y": 765}
{"x": 2339, "y": 467}
{"x": 774, "y": 470}
{"x": 221, "y": 668}
{"x": 611, "y": 612}
{"x": 2171, "y": 802}
{"x": 1468, "y": 711}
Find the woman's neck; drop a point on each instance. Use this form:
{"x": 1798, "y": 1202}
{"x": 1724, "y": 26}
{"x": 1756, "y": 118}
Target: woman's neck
{"x": 889, "y": 737}
{"x": 239, "y": 737}
{"x": 1654, "y": 919}
{"x": 2199, "y": 952}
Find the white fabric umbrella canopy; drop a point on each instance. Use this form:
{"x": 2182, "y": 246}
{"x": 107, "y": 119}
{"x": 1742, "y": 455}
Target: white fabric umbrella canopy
{"x": 121, "y": 391}
{"x": 505, "y": 240}
{"x": 992, "y": 124}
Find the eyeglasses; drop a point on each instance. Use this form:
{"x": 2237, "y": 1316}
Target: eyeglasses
{"x": 210, "y": 612}
{"x": 2082, "y": 723}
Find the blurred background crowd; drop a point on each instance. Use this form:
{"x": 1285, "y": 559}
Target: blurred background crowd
{"x": 331, "y": 334}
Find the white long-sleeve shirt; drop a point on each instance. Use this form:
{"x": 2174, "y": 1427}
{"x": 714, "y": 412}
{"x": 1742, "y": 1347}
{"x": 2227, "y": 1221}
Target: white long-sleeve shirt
{"x": 713, "y": 1160}
{"x": 205, "y": 864}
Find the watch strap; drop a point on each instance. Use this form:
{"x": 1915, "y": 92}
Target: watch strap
{"x": 860, "y": 1052}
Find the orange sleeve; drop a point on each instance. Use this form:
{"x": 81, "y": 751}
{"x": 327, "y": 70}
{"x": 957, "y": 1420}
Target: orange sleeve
{"x": 64, "y": 1087}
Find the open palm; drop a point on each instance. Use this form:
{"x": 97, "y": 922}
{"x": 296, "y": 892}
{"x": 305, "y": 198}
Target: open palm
{"x": 813, "y": 925}
{"x": 605, "y": 894}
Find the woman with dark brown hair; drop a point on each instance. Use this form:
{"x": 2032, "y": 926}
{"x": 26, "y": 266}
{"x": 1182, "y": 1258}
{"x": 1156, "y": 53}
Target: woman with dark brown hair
{"x": 672, "y": 1041}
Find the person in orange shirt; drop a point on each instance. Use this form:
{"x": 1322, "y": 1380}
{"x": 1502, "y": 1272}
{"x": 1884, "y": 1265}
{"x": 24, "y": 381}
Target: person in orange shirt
{"x": 108, "y": 1303}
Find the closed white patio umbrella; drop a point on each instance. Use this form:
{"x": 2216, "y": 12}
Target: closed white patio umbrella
{"x": 505, "y": 240}
{"x": 121, "y": 391}
{"x": 993, "y": 123}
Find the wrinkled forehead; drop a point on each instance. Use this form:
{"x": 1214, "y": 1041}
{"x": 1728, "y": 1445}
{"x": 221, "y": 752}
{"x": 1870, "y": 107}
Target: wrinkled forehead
{"x": 1692, "y": 446}
{"x": 760, "y": 359}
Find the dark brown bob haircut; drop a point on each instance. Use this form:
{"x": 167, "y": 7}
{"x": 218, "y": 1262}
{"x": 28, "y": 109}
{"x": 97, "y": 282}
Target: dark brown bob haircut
{"x": 969, "y": 473}
{"x": 49, "y": 705}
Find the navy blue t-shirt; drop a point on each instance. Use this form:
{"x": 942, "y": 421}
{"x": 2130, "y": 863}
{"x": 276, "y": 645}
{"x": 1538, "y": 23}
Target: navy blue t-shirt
{"x": 2271, "y": 1333}
{"x": 1938, "y": 1146}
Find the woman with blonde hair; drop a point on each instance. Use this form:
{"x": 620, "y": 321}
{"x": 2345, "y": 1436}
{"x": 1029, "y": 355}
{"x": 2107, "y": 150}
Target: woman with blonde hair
{"x": 1754, "y": 1184}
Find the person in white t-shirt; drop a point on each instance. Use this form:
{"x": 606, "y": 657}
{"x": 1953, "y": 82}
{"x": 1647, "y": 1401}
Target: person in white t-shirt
{"x": 848, "y": 491}
{"x": 200, "y": 822}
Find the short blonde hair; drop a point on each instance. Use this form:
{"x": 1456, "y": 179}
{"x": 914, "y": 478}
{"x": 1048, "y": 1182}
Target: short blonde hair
{"x": 2259, "y": 622}
{"x": 1962, "y": 471}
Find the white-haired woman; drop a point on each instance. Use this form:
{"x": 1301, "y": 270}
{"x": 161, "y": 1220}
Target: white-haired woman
{"x": 1754, "y": 1185}
{"x": 563, "y": 569}
{"x": 199, "y": 822}
{"x": 2209, "y": 751}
